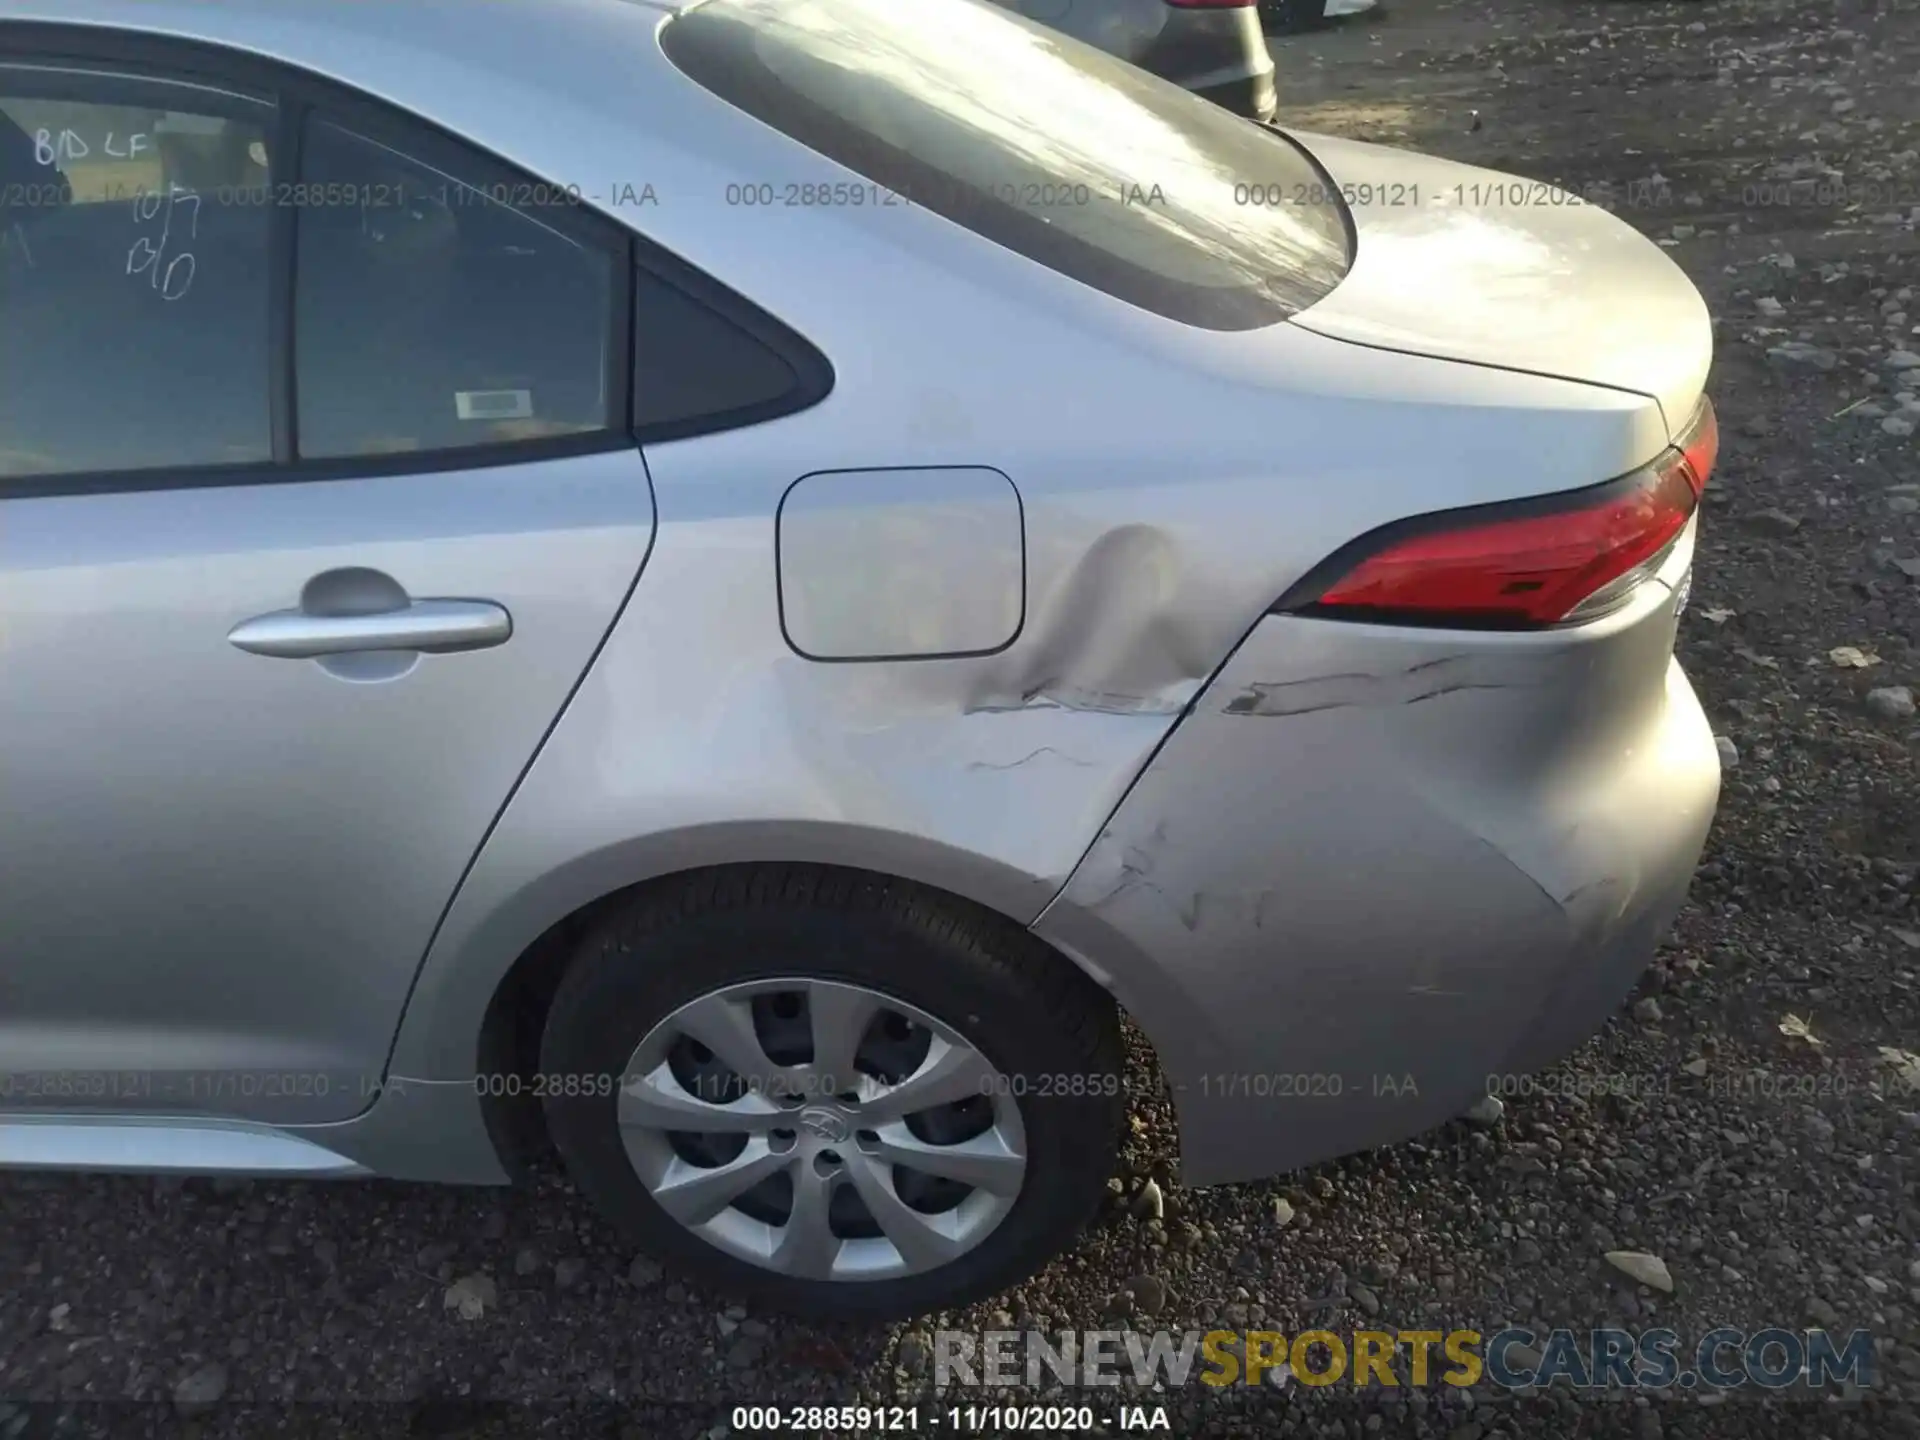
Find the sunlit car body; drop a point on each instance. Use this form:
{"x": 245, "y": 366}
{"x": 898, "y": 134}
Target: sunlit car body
{"x": 713, "y": 587}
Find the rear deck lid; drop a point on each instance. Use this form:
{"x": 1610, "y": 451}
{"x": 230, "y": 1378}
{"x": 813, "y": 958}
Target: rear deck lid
{"x": 1468, "y": 264}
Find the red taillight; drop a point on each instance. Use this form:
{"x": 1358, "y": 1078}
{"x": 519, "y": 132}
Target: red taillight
{"x": 1700, "y": 444}
{"x": 1534, "y": 563}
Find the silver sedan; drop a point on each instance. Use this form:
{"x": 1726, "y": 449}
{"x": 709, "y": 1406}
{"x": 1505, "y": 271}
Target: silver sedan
{"x": 724, "y": 589}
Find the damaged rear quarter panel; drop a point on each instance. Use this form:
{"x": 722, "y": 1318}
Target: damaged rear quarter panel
{"x": 1172, "y": 484}
{"x": 1373, "y": 861}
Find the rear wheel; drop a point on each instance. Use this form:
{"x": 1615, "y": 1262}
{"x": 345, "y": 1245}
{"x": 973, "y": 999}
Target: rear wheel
{"x": 843, "y": 1095}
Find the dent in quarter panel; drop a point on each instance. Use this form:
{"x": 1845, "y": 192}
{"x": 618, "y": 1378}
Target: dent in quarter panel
{"x": 1161, "y": 520}
{"x": 1374, "y": 856}
{"x": 701, "y": 738}
{"x": 1173, "y": 485}
{"x": 1128, "y": 627}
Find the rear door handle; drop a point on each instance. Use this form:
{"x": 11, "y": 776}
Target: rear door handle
{"x": 436, "y": 627}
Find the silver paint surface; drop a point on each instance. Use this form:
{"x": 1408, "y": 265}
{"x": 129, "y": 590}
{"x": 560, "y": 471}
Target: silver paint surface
{"x": 223, "y": 866}
{"x": 1364, "y": 850}
{"x": 1377, "y": 867}
{"x": 1475, "y": 265}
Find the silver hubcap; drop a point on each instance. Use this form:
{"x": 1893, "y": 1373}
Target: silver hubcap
{"x": 822, "y": 1130}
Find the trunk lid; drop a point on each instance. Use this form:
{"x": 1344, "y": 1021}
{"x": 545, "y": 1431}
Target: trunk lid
{"x": 1462, "y": 263}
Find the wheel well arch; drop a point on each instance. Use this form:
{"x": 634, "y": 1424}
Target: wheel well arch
{"x": 515, "y": 1016}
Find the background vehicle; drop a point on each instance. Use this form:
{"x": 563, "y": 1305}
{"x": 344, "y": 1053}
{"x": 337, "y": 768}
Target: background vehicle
{"x": 1214, "y": 48}
{"x": 744, "y": 689}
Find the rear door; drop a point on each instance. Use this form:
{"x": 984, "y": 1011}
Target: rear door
{"x": 299, "y": 562}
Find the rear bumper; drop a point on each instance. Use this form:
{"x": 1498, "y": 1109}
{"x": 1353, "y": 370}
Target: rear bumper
{"x": 1375, "y": 867}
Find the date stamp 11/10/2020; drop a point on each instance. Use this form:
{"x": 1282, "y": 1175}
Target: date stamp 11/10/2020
{"x": 212, "y": 1087}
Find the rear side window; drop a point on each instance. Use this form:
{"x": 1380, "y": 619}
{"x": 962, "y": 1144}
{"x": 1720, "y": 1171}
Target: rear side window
{"x": 435, "y": 306}
{"x": 1058, "y": 151}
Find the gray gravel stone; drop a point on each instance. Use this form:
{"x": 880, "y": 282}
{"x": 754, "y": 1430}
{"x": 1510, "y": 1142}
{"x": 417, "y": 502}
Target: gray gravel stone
{"x": 201, "y": 1389}
{"x": 1776, "y": 523}
{"x": 1149, "y": 1294}
{"x": 1647, "y": 1269}
{"x": 471, "y": 1296}
{"x": 1486, "y": 1111}
{"x": 1798, "y": 355}
{"x": 913, "y": 1352}
{"x": 1891, "y": 702}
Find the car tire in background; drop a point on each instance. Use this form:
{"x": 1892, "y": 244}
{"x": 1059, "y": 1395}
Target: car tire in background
{"x": 782, "y": 968}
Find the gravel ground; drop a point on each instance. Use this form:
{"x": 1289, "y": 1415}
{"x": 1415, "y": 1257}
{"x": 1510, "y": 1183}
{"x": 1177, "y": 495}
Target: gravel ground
{"x": 1754, "y": 1134}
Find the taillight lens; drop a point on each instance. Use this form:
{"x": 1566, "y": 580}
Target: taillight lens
{"x": 1534, "y": 563}
{"x": 1700, "y": 444}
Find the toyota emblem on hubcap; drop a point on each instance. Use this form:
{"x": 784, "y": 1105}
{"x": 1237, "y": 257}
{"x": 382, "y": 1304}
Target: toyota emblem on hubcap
{"x": 824, "y": 1124}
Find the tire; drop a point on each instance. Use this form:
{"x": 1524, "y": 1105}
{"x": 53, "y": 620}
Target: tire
{"x": 993, "y": 985}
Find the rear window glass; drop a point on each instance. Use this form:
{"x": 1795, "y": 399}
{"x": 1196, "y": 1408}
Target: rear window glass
{"x": 1072, "y": 157}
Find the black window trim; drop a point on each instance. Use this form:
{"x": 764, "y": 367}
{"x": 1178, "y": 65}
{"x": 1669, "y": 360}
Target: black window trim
{"x": 813, "y": 372}
{"x": 297, "y": 94}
